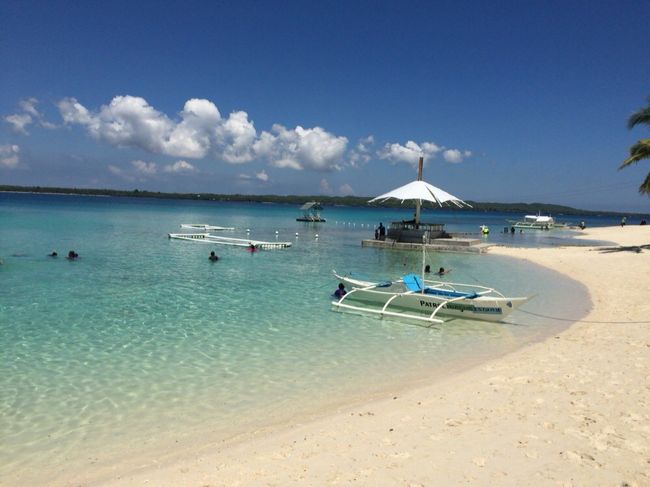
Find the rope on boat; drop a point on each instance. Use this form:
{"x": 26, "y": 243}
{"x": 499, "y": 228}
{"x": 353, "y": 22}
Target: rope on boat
{"x": 584, "y": 321}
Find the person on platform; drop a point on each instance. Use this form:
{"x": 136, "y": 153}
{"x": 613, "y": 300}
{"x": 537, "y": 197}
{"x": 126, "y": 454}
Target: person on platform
{"x": 382, "y": 231}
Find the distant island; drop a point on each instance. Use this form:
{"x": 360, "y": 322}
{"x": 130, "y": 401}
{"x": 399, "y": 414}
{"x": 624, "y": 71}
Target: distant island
{"x": 522, "y": 208}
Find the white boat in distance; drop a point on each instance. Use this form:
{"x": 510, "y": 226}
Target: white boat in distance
{"x": 412, "y": 298}
{"x": 203, "y": 226}
{"x": 536, "y": 222}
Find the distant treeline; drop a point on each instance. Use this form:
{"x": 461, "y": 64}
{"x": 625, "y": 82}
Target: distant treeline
{"x": 524, "y": 208}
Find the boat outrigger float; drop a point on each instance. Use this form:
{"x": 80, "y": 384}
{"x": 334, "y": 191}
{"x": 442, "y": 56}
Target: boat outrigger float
{"x": 414, "y": 298}
{"x": 236, "y": 242}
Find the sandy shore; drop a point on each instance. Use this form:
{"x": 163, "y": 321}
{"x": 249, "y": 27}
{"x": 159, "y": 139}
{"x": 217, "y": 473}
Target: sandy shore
{"x": 573, "y": 410}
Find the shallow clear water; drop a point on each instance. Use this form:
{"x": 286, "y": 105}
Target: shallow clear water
{"x": 142, "y": 342}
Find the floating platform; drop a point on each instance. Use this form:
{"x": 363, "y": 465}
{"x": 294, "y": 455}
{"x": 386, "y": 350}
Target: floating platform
{"x": 311, "y": 220}
{"x": 454, "y": 244}
{"x": 203, "y": 226}
{"x": 236, "y": 242}
{"x": 311, "y": 213}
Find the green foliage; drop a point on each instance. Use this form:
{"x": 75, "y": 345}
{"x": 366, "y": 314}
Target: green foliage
{"x": 298, "y": 200}
{"x": 640, "y": 150}
{"x": 640, "y": 116}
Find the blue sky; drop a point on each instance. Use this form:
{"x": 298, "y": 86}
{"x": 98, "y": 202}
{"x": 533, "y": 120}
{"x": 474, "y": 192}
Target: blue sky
{"x": 508, "y": 101}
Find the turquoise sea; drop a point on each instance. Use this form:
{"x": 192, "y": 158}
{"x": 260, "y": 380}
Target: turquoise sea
{"x": 142, "y": 346}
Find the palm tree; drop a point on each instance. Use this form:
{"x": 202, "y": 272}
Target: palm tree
{"x": 640, "y": 150}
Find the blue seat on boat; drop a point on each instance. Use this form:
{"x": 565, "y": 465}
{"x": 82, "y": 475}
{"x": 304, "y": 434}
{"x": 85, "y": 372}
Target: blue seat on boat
{"x": 414, "y": 283}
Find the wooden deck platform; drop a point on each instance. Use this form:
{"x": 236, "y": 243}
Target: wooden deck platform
{"x": 454, "y": 244}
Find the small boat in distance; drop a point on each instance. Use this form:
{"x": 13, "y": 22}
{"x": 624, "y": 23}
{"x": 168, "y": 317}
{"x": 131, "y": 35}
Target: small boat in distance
{"x": 534, "y": 222}
{"x": 414, "y": 298}
{"x": 311, "y": 212}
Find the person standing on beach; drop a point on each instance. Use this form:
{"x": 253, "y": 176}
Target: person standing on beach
{"x": 623, "y": 221}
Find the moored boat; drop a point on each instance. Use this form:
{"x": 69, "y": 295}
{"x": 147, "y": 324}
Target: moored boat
{"x": 414, "y": 298}
{"x": 535, "y": 222}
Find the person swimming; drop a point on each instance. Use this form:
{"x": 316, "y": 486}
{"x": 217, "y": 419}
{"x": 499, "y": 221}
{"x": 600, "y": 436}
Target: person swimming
{"x": 340, "y": 292}
{"x": 442, "y": 271}
{"x": 252, "y": 248}
{"x": 53, "y": 254}
{"x": 213, "y": 257}
{"x": 72, "y": 255}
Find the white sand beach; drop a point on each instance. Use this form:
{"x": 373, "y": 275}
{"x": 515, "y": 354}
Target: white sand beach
{"x": 572, "y": 410}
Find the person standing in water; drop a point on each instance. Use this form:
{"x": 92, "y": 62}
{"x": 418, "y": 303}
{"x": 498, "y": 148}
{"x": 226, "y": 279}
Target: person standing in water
{"x": 340, "y": 292}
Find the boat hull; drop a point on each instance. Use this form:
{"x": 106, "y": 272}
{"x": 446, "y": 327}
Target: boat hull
{"x": 396, "y": 299}
{"x": 534, "y": 222}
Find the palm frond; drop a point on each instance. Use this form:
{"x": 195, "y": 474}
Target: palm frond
{"x": 645, "y": 186}
{"x": 640, "y": 116}
{"x": 640, "y": 150}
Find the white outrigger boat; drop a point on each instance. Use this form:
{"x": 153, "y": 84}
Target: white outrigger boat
{"x": 203, "y": 226}
{"x": 232, "y": 241}
{"x": 414, "y": 298}
{"x": 534, "y": 222}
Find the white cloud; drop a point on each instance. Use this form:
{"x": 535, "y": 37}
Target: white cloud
{"x": 179, "y": 167}
{"x": 192, "y": 136}
{"x": 29, "y": 106}
{"x": 325, "y": 187}
{"x": 118, "y": 171}
{"x": 19, "y": 121}
{"x": 236, "y": 137}
{"x": 74, "y": 112}
{"x": 9, "y": 155}
{"x": 199, "y": 131}
{"x": 146, "y": 168}
{"x": 260, "y": 176}
{"x": 29, "y": 115}
{"x": 346, "y": 190}
{"x": 136, "y": 171}
{"x": 301, "y": 148}
{"x": 361, "y": 153}
{"x": 409, "y": 153}
{"x": 129, "y": 121}
{"x": 455, "y": 156}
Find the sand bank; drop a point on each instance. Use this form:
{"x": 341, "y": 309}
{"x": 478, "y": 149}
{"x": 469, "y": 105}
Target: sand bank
{"x": 573, "y": 410}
